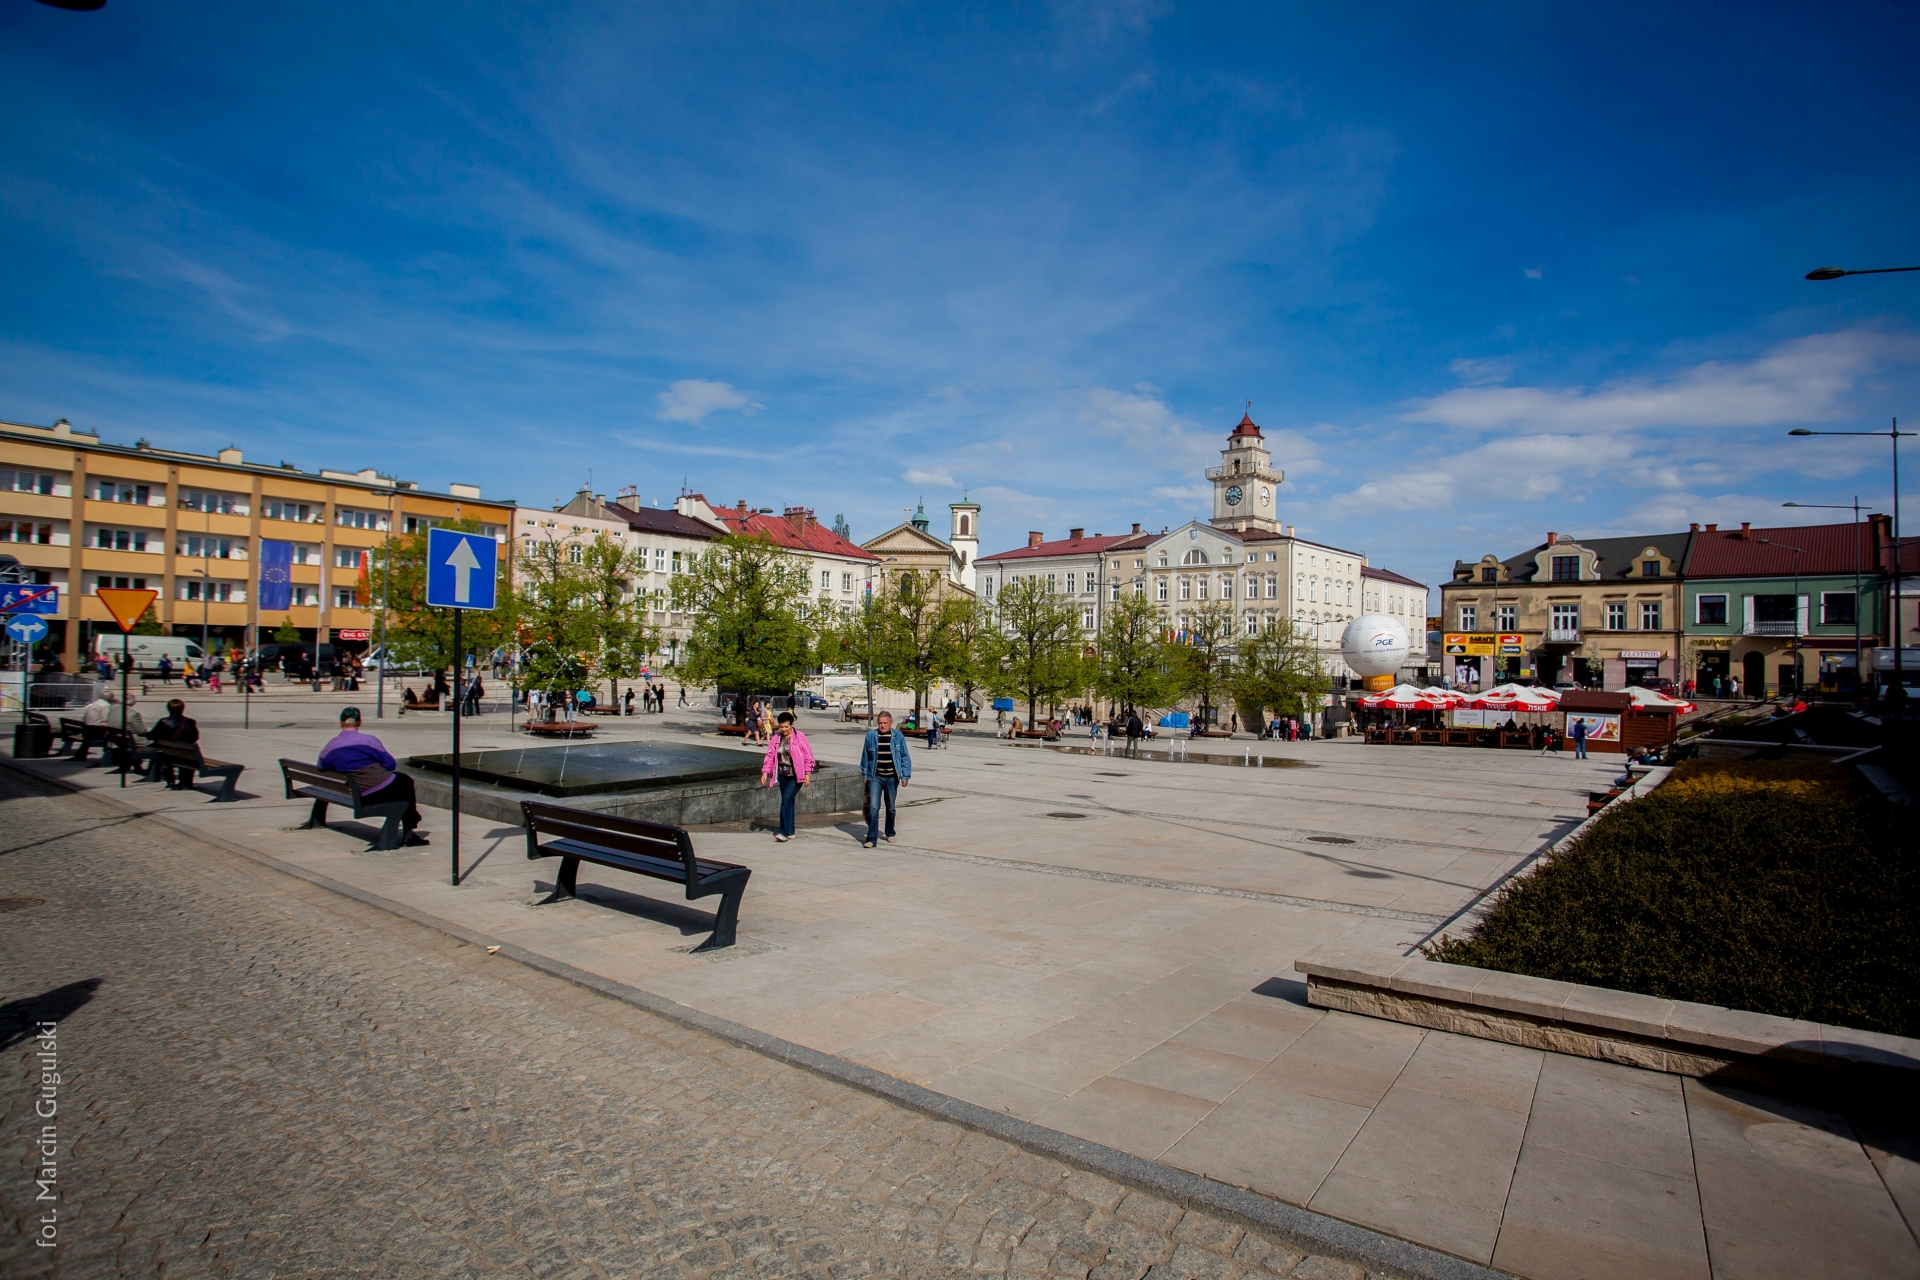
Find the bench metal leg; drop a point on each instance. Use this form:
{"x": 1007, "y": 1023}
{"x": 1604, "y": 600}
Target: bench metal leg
{"x": 318, "y": 818}
{"x": 731, "y": 887}
{"x": 390, "y": 835}
{"x": 225, "y": 794}
{"x": 563, "y": 883}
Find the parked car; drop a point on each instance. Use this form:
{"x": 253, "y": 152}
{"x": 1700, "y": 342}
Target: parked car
{"x": 815, "y": 702}
{"x": 1660, "y": 684}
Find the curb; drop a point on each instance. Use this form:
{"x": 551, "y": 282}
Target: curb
{"x": 1310, "y": 1231}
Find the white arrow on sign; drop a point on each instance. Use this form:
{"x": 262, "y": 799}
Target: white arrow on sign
{"x": 464, "y": 563}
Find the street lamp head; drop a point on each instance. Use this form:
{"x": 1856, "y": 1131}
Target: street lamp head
{"x": 1799, "y": 431}
{"x": 1826, "y": 273}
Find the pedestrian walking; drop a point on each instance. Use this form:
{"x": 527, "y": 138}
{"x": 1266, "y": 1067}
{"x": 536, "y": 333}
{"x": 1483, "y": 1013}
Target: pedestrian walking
{"x": 683, "y": 695}
{"x": 788, "y": 765}
{"x": 1134, "y": 731}
{"x": 166, "y": 669}
{"x": 361, "y": 756}
{"x": 885, "y": 765}
{"x": 1579, "y": 732}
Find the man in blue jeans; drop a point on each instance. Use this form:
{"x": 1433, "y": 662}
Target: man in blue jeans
{"x": 885, "y": 765}
{"x": 1579, "y": 738}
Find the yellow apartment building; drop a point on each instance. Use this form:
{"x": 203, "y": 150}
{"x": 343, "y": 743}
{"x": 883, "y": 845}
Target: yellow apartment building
{"x": 80, "y": 514}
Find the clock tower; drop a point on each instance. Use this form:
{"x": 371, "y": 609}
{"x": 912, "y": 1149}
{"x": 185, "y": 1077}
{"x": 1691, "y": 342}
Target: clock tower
{"x": 1246, "y": 488}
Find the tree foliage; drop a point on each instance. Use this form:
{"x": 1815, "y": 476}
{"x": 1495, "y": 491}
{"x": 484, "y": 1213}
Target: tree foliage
{"x": 1135, "y": 665}
{"x": 1207, "y": 656}
{"x": 286, "y": 632}
{"x": 1037, "y": 645}
{"x": 1279, "y": 671}
{"x": 916, "y": 630}
{"x": 745, "y": 596}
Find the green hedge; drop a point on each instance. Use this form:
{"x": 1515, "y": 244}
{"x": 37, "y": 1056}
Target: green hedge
{"x": 1780, "y": 889}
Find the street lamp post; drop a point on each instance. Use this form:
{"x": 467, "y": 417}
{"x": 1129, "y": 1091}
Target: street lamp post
{"x": 1893, "y": 628}
{"x": 1859, "y": 667}
{"x": 1799, "y": 678}
{"x": 1893, "y": 433}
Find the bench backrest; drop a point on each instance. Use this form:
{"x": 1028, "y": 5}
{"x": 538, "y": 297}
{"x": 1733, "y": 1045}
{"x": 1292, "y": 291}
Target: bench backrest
{"x": 300, "y": 774}
{"x": 628, "y": 835}
{"x": 189, "y": 751}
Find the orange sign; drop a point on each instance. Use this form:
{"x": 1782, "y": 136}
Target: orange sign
{"x": 125, "y": 604}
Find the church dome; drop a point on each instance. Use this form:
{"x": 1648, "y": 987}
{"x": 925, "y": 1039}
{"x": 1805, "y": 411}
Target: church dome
{"x": 1247, "y": 427}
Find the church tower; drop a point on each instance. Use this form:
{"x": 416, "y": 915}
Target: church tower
{"x": 966, "y": 538}
{"x": 1246, "y": 488}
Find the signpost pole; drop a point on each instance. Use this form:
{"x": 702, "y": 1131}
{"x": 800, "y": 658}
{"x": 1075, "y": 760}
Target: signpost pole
{"x": 126, "y": 672}
{"x": 26, "y": 669}
{"x": 458, "y": 667}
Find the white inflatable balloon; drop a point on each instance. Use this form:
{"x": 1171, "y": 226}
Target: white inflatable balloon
{"x": 1374, "y": 645}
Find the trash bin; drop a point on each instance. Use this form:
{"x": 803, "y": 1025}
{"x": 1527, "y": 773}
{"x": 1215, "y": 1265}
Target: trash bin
{"x": 32, "y": 741}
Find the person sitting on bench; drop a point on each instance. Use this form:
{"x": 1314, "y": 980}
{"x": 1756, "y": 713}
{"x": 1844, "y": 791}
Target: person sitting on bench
{"x": 176, "y": 727}
{"x": 361, "y": 757}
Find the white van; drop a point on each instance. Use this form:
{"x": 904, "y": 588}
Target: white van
{"x": 147, "y": 650}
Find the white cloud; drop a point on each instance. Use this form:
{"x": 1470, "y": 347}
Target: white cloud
{"x": 1480, "y": 373}
{"x": 1146, "y": 422}
{"x": 1670, "y": 511}
{"x": 1805, "y": 380}
{"x": 1199, "y": 495}
{"x": 914, "y": 475}
{"x": 692, "y": 399}
{"x": 1523, "y": 469}
{"x": 1532, "y": 273}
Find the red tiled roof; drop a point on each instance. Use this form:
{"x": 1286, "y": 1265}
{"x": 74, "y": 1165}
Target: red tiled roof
{"x": 1247, "y": 426}
{"x": 812, "y": 536}
{"x": 652, "y": 520}
{"x": 1093, "y": 546}
{"x": 1387, "y": 575}
{"x": 1735, "y": 553}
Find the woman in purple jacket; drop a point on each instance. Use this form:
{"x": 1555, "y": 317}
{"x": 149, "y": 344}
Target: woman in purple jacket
{"x": 361, "y": 757}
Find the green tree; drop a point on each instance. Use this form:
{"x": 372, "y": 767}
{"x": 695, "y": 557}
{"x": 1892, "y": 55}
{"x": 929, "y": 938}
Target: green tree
{"x": 423, "y": 635}
{"x": 286, "y": 632}
{"x": 1134, "y": 664}
{"x": 971, "y": 656}
{"x": 554, "y": 629}
{"x": 745, "y": 596}
{"x": 623, "y": 640}
{"x": 148, "y": 623}
{"x": 1037, "y": 644}
{"x": 1207, "y": 656}
{"x": 915, "y": 623}
{"x": 1279, "y": 671}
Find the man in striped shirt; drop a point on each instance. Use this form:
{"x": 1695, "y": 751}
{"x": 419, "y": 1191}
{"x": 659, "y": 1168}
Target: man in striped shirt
{"x": 885, "y": 765}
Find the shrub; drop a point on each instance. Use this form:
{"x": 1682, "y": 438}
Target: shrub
{"x": 1775, "y": 887}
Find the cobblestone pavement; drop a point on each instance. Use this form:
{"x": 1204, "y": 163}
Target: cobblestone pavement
{"x": 270, "y": 1079}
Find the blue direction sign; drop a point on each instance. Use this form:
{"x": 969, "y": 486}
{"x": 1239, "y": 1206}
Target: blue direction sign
{"x": 28, "y": 598}
{"x": 26, "y": 628}
{"x": 460, "y": 569}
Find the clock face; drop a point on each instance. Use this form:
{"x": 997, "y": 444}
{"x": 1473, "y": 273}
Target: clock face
{"x": 1266, "y": 496}
{"x": 1233, "y": 495}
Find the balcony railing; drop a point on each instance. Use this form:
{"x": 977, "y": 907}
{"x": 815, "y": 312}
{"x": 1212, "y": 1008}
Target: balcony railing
{"x": 1563, "y": 635}
{"x": 1246, "y": 473}
{"x": 1758, "y": 628}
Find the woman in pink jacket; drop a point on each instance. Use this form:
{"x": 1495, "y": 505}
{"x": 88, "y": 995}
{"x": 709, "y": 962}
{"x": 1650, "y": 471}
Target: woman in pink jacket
{"x": 788, "y": 765}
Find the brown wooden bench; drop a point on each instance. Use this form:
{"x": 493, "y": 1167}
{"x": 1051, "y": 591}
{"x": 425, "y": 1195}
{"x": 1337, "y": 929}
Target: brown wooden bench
{"x": 560, "y": 728}
{"x": 325, "y": 787}
{"x": 186, "y": 757}
{"x": 644, "y": 848}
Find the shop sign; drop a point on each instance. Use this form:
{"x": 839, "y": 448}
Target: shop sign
{"x": 1485, "y": 644}
{"x": 1643, "y": 653}
{"x": 352, "y": 633}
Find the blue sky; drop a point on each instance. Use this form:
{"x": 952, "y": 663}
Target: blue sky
{"x": 1483, "y": 270}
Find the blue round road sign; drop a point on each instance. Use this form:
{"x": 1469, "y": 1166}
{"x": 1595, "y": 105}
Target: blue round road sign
{"x": 26, "y": 628}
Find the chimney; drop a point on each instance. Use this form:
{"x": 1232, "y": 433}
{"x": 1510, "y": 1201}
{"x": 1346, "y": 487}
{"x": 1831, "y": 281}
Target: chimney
{"x": 1746, "y": 528}
{"x": 797, "y": 517}
{"x": 1136, "y": 526}
{"x": 1713, "y": 528}
{"x": 1289, "y": 531}
{"x": 1694, "y": 527}
{"x": 1035, "y": 537}
{"x": 1552, "y": 539}
{"x": 1076, "y": 534}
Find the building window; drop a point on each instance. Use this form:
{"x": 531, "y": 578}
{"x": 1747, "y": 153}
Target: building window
{"x": 1349, "y": 595}
{"x": 575, "y": 553}
{"x": 1203, "y": 586}
{"x": 1160, "y": 590}
{"x": 26, "y": 531}
{"x": 1071, "y": 579}
{"x": 1710, "y": 611}
{"x": 120, "y": 584}
{"x": 199, "y": 547}
{"x": 1649, "y": 615}
{"x": 1051, "y": 584}
{"x": 1195, "y": 556}
{"x": 1186, "y": 588}
{"x": 346, "y": 557}
{"x": 303, "y": 513}
{"x": 1113, "y": 591}
{"x": 1469, "y": 617}
{"x": 1273, "y": 587}
{"x": 676, "y": 561}
{"x": 989, "y": 588}
{"x": 1506, "y": 617}
{"x": 826, "y": 579}
{"x": 224, "y": 504}
{"x": 26, "y": 482}
{"x": 1489, "y": 573}
{"x": 1617, "y": 615}
{"x": 1837, "y": 608}
{"x": 138, "y": 495}
{"x": 846, "y": 583}
{"x": 966, "y": 526}
{"x": 1566, "y": 622}
{"x": 659, "y": 559}
{"x": 304, "y": 596}
{"x": 346, "y": 598}
{"x": 1566, "y": 568}
{"x": 1163, "y": 559}
{"x": 350, "y": 518}
{"x": 120, "y": 539}
{"x": 1086, "y": 618}
{"x": 1649, "y": 568}
{"x": 197, "y": 590}
{"x": 1253, "y": 625}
